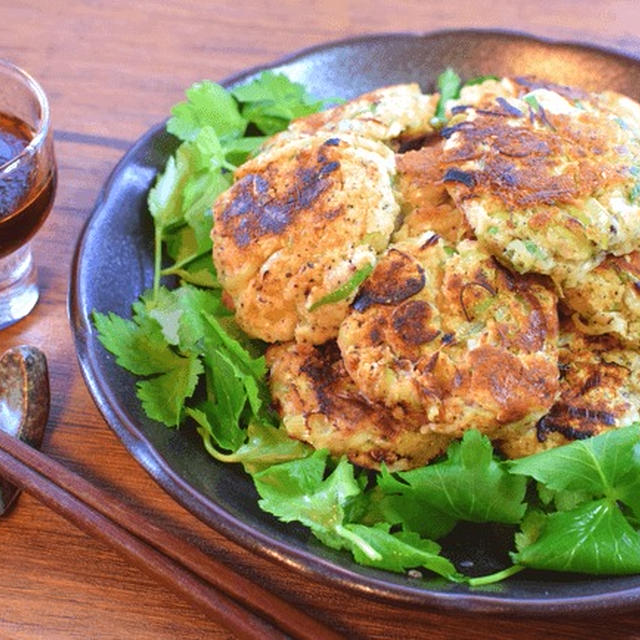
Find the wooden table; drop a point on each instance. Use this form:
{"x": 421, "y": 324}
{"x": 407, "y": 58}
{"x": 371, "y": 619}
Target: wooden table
{"x": 112, "y": 69}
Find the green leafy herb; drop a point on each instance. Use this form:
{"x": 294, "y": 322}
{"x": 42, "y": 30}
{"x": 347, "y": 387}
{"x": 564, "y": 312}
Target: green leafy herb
{"x": 140, "y": 347}
{"x": 138, "y": 344}
{"x": 400, "y": 551}
{"x": 606, "y": 465}
{"x": 343, "y": 292}
{"x": 208, "y": 105}
{"x": 265, "y": 445}
{"x": 448, "y": 84}
{"x": 272, "y": 101}
{"x": 595, "y": 536}
{"x": 298, "y": 491}
{"x": 186, "y": 190}
{"x": 469, "y": 485}
{"x": 163, "y": 397}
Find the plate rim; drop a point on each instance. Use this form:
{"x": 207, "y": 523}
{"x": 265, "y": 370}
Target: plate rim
{"x": 202, "y": 507}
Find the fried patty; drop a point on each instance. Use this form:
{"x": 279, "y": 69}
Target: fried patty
{"x": 450, "y": 332}
{"x": 392, "y": 114}
{"x": 599, "y": 391}
{"x": 320, "y": 405}
{"x": 455, "y": 328}
{"x": 607, "y": 299}
{"x": 547, "y": 180}
{"x": 424, "y": 201}
{"x": 299, "y": 222}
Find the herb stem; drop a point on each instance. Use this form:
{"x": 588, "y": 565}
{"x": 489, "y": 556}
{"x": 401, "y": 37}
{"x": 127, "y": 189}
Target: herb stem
{"x": 364, "y": 546}
{"x": 157, "y": 262}
{"x": 185, "y": 261}
{"x": 210, "y": 447}
{"x": 491, "y": 578}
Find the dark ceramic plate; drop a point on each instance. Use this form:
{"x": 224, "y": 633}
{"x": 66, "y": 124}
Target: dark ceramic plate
{"x": 113, "y": 265}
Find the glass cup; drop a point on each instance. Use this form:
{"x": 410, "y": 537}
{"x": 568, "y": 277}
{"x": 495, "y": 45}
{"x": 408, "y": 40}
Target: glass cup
{"x": 27, "y": 186}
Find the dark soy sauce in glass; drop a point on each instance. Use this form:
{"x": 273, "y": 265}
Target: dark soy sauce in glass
{"x": 26, "y": 190}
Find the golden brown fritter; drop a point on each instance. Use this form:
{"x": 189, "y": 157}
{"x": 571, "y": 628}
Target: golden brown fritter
{"x": 450, "y": 332}
{"x": 390, "y": 114}
{"x": 443, "y": 336}
{"x": 546, "y": 180}
{"x": 300, "y": 220}
{"x": 599, "y": 391}
{"x": 320, "y": 405}
{"x": 607, "y": 299}
{"x": 424, "y": 201}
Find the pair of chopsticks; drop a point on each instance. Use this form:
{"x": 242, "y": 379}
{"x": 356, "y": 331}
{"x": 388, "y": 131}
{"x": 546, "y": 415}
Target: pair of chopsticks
{"x": 245, "y": 608}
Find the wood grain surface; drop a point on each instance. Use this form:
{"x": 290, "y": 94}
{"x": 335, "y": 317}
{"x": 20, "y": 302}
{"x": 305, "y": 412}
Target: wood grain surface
{"x": 113, "y": 68}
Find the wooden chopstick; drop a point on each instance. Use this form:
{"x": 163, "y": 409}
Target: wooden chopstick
{"x": 247, "y": 609}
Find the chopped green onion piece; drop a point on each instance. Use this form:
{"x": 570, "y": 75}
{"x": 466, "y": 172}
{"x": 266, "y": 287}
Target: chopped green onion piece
{"x": 532, "y": 248}
{"x": 480, "y": 80}
{"x": 346, "y": 289}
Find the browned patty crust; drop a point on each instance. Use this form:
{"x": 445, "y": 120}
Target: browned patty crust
{"x": 320, "y": 404}
{"x": 454, "y": 334}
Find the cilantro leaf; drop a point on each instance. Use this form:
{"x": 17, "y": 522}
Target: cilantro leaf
{"x": 190, "y": 182}
{"x": 180, "y": 313}
{"x": 208, "y": 104}
{"x": 470, "y": 484}
{"x": 221, "y": 415}
{"x": 594, "y": 538}
{"x": 265, "y": 445}
{"x": 199, "y": 272}
{"x": 251, "y": 371}
{"x": 298, "y": 491}
{"x": 400, "y": 551}
{"x": 397, "y": 502}
{"x": 206, "y": 178}
{"x": 448, "y": 84}
{"x": 138, "y": 344}
{"x": 271, "y": 101}
{"x": 606, "y": 465}
{"x": 186, "y": 190}
{"x": 183, "y": 245}
{"x": 597, "y": 475}
{"x": 238, "y": 150}
{"x": 163, "y": 397}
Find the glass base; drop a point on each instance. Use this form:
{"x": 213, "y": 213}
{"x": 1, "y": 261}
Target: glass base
{"x": 18, "y": 286}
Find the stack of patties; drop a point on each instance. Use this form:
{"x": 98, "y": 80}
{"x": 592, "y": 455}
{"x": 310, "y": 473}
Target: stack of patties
{"x": 419, "y": 283}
